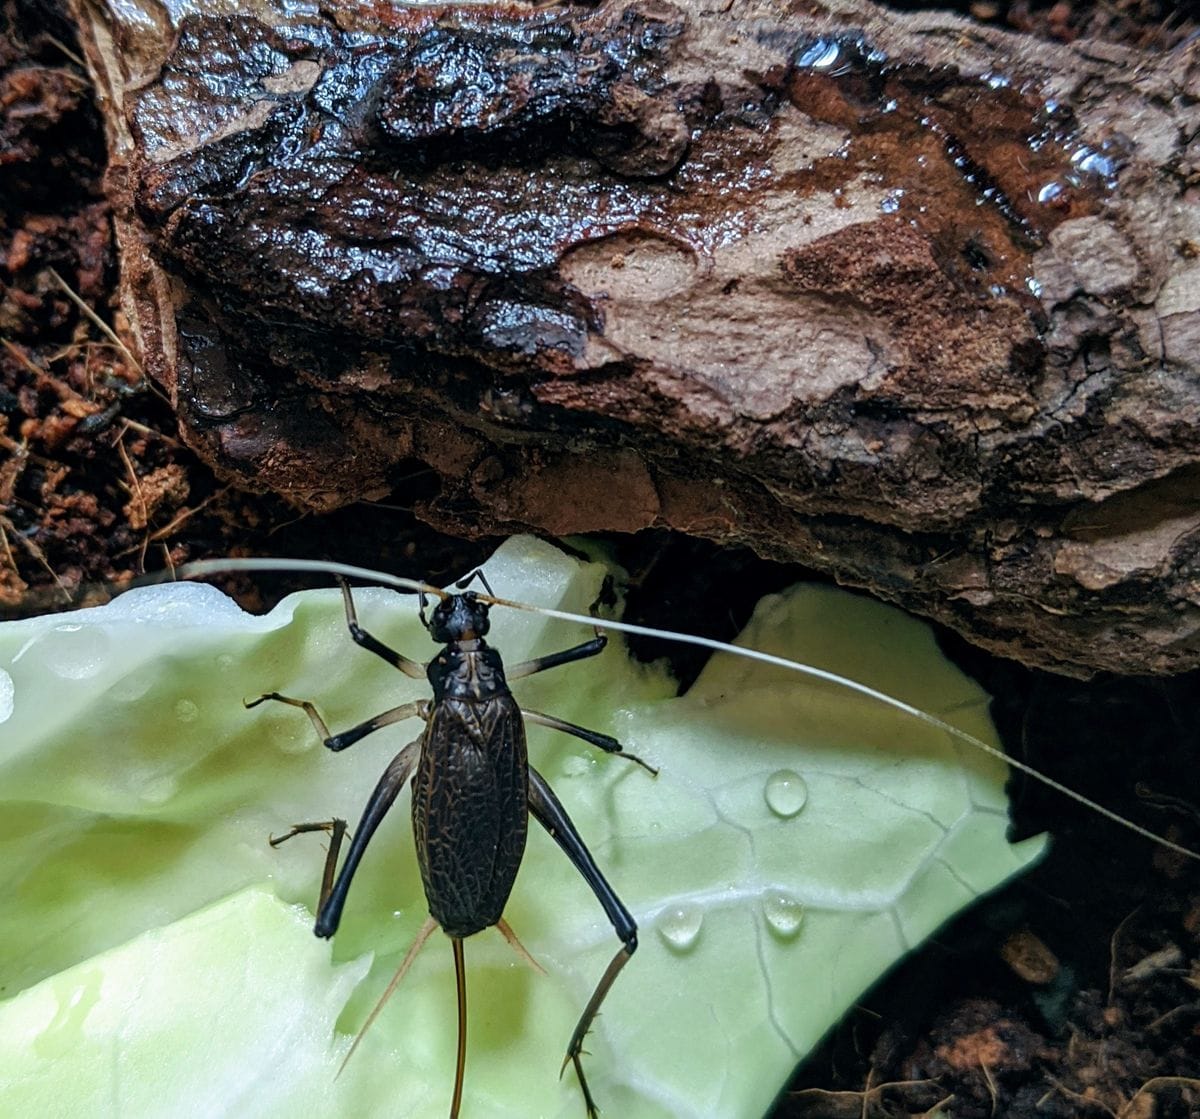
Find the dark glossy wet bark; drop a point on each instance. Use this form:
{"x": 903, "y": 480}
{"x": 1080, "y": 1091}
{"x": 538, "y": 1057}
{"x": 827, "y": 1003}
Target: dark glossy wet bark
{"x": 909, "y": 300}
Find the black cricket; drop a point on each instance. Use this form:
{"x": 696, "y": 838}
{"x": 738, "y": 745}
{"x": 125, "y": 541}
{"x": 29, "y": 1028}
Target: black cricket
{"x": 472, "y": 792}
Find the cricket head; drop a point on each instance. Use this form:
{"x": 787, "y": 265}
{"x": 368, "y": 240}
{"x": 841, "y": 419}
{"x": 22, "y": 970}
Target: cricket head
{"x": 459, "y": 617}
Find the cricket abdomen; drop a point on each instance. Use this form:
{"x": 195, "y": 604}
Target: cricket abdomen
{"x": 471, "y": 809}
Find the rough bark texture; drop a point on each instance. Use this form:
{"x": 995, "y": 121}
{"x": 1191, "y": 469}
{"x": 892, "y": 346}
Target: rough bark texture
{"x": 907, "y": 300}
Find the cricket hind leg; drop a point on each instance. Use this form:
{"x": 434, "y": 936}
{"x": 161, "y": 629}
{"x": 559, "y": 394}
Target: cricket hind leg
{"x": 329, "y": 916}
{"x": 334, "y": 890}
{"x": 549, "y": 812}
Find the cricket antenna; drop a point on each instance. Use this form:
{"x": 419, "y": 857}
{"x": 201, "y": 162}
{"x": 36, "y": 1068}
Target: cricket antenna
{"x": 873, "y": 694}
{"x": 200, "y": 569}
{"x": 467, "y": 580}
{"x": 213, "y": 567}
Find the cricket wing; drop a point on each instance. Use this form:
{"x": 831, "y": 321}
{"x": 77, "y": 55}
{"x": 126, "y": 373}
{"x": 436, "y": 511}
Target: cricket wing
{"x": 471, "y": 810}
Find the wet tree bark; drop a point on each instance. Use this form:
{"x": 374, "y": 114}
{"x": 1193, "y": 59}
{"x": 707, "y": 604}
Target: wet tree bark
{"x": 907, "y": 300}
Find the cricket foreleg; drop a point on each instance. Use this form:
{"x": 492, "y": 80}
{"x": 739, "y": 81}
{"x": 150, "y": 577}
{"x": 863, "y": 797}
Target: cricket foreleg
{"x": 549, "y": 812}
{"x": 417, "y": 709}
{"x": 371, "y": 643}
{"x": 605, "y": 742}
{"x": 553, "y": 660}
{"x": 397, "y": 773}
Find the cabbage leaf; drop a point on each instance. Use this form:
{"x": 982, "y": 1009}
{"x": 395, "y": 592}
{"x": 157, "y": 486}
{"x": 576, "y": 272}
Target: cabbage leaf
{"x": 159, "y": 958}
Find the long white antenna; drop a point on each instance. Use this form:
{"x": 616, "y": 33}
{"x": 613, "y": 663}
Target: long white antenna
{"x": 200, "y": 568}
{"x": 217, "y": 567}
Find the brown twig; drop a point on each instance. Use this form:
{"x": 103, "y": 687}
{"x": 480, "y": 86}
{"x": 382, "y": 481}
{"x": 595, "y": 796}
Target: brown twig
{"x": 137, "y": 493}
{"x": 23, "y": 358}
{"x": 1153, "y": 1084}
{"x": 187, "y": 513}
{"x": 96, "y": 321}
{"x": 38, "y": 555}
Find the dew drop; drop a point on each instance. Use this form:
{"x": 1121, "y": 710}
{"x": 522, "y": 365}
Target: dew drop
{"x": 783, "y": 912}
{"x": 1049, "y": 192}
{"x": 1095, "y": 163}
{"x": 8, "y": 694}
{"x": 679, "y": 926}
{"x": 74, "y": 652}
{"x": 820, "y": 55}
{"x": 186, "y": 711}
{"x": 786, "y": 793}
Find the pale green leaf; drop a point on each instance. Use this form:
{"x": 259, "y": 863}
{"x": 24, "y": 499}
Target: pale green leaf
{"x": 798, "y": 840}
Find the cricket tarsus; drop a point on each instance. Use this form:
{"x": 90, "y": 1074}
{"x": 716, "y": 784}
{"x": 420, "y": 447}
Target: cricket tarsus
{"x": 605, "y": 742}
{"x": 473, "y": 790}
{"x": 337, "y": 832}
{"x": 337, "y": 742}
{"x": 335, "y": 828}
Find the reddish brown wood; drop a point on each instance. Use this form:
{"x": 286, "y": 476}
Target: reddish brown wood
{"x": 908, "y": 300}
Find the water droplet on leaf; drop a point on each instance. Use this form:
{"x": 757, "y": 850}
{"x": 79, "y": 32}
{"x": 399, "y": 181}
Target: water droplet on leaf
{"x": 786, "y": 793}
{"x": 74, "y": 652}
{"x": 8, "y": 694}
{"x": 679, "y": 926}
{"x": 783, "y": 912}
